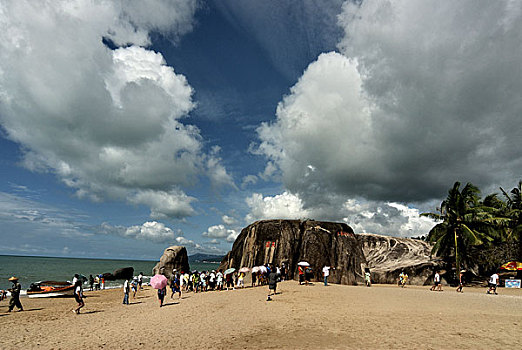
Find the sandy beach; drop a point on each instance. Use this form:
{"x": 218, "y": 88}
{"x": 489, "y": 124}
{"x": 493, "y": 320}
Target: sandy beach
{"x": 313, "y": 317}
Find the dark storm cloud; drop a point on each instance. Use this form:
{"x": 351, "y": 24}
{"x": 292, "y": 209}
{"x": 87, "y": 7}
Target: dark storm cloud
{"x": 424, "y": 93}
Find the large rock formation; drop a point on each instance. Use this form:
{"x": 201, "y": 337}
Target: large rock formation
{"x": 174, "y": 257}
{"x": 291, "y": 241}
{"x": 388, "y": 256}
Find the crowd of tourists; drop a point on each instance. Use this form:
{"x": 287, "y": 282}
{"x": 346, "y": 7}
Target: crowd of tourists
{"x": 212, "y": 280}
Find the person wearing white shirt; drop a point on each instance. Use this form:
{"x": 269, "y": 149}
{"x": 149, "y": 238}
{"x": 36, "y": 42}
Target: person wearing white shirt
{"x": 492, "y": 284}
{"x": 437, "y": 285}
{"x": 326, "y": 273}
{"x": 126, "y": 292}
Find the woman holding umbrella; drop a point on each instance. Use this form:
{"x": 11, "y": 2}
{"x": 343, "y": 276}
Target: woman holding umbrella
{"x": 160, "y": 282}
{"x": 301, "y": 266}
{"x": 229, "y": 277}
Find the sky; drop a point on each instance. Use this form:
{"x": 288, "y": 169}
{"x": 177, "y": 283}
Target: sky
{"x": 130, "y": 126}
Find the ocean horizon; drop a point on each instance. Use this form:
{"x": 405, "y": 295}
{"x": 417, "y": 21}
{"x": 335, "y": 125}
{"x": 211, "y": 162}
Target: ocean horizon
{"x": 30, "y": 269}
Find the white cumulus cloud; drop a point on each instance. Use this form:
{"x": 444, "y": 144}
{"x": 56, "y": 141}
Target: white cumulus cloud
{"x": 363, "y": 216}
{"x": 108, "y": 123}
{"x": 151, "y": 231}
{"x": 282, "y": 206}
{"x": 221, "y": 232}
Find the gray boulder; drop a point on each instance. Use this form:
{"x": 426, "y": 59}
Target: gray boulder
{"x": 174, "y": 257}
{"x": 387, "y": 256}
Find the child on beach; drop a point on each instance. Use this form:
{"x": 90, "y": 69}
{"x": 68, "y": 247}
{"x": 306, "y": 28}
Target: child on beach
{"x": 161, "y": 295}
{"x": 134, "y": 287}
{"x": 403, "y": 279}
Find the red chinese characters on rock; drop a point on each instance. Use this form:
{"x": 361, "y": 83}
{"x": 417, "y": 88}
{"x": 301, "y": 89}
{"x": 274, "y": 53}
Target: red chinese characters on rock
{"x": 344, "y": 234}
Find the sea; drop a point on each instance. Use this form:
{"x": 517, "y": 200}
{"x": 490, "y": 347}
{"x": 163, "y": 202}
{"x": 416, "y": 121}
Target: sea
{"x": 30, "y": 269}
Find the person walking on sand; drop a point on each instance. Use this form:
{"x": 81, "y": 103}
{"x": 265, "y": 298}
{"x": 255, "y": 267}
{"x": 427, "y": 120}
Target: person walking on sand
{"x": 126, "y": 292}
{"x": 78, "y": 296}
{"x": 140, "y": 280}
{"x": 175, "y": 286}
{"x": 367, "y": 278}
{"x": 91, "y": 283}
{"x": 161, "y": 295}
{"x": 493, "y": 283}
{"x": 461, "y": 281}
{"x": 326, "y": 273}
{"x": 403, "y": 279}
{"x": 437, "y": 286}
{"x": 272, "y": 283}
{"x": 134, "y": 287}
{"x": 15, "y": 295}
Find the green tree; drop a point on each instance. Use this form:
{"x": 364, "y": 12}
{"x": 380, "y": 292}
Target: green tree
{"x": 464, "y": 223}
{"x": 514, "y": 215}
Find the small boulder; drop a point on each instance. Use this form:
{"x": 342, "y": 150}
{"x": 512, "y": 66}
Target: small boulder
{"x": 124, "y": 273}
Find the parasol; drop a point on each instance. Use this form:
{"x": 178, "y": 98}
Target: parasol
{"x": 244, "y": 269}
{"x": 158, "y": 282}
{"x": 512, "y": 266}
{"x": 263, "y": 269}
{"x": 255, "y": 269}
{"x": 303, "y": 263}
{"x": 229, "y": 271}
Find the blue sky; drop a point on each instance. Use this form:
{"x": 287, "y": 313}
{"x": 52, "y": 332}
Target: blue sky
{"x": 129, "y": 126}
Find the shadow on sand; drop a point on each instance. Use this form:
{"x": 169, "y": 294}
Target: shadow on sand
{"x": 169, "y": 304}
{"x": 90, "y": 312}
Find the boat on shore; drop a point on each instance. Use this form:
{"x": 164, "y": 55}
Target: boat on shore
{"x": 47, "y": 289}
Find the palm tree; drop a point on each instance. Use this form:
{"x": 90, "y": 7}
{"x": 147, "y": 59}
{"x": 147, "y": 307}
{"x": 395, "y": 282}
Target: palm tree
{"x": 514, "y": 214}
{"x": 464, "y": 223}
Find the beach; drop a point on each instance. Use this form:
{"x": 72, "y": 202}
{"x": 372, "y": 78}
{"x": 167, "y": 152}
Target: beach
{"x": 313, "y": 317}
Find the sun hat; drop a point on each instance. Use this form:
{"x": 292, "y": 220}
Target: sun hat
{"x": 13, "y": 278}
